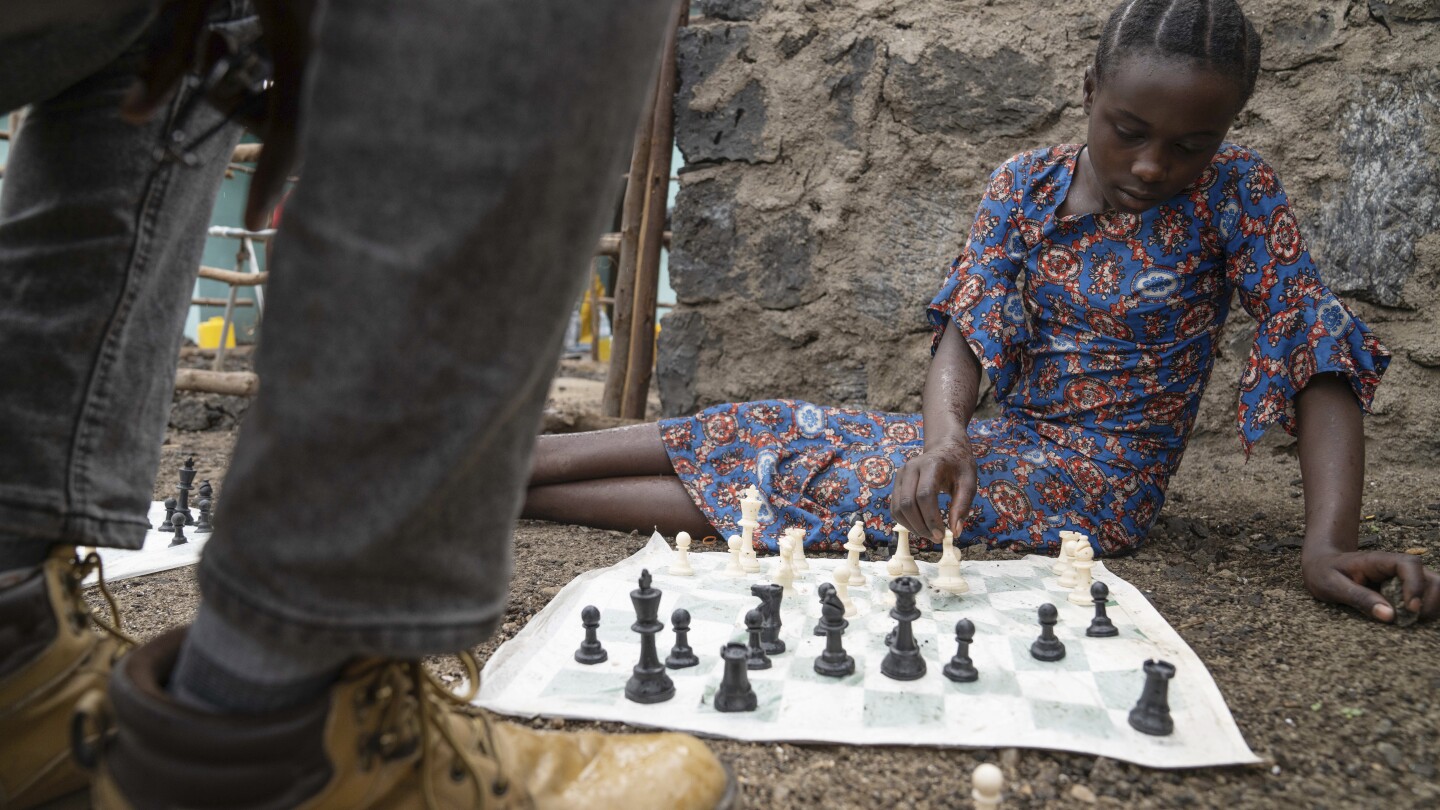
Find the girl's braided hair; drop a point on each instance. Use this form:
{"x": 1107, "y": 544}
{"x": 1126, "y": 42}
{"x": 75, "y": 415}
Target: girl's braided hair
{"x": 1214, "y": 32}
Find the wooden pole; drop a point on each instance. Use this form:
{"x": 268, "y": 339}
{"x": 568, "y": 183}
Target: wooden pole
{"x": 234, "y": 383}
{"x": 640, "y": 357}
{"x": 233, "y": 278}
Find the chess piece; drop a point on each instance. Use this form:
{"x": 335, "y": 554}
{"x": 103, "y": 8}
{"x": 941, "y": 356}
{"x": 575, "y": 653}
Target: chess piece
{"x": 187, "y": 479}
{"x": 949, "y": 579}
{"x": 648, "y": 682}
{"x": 206, "y": 491}
{"x": 735, "y": 569}
{"x": 750, "y": 504}
{"x": 590, "y": 651}
{"x": 784, "y": 568}
{"x": 170, "y": 504}
{"x": 177, "y": 525}
{"x": 797, "y": 550}
{"x": 680, "y": 567}
{"x": 1062, "y": 559}
{"x": 1151, "y": 714}
{"x": 735, "y": 693}
{"x": 1101, "y": 626}
{"x": 1067, "y": 577}
{"x": 903, "y": 563}
{"x": 824, "y": 590}
{"x": 757, "y": 659}
{"x": 834, "y": 662}
{"x": 985, "y": 785}
{"x": 681, "y": 656}
{"x": 855, "y": 543}
{"x": 903, "y": 662}
{"x": 770, "y": 596}
{"x": 1047, "y": 647}
{"x": 842, "y": 590}
{"x": 202, "y": 523}
{"x": 1084, "y": 561}
{"x": 961, "y": 669}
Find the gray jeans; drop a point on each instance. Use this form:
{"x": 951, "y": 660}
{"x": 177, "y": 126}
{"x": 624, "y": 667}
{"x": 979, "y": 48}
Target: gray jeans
{"x": 459, "y": 155}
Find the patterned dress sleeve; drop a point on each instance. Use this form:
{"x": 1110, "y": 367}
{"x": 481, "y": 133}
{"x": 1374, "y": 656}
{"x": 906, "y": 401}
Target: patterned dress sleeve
{"x": 980, "y": 294}
{"x": 1303, "y": 328}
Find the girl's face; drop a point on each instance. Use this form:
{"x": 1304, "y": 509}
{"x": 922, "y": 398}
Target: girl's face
{"x": 1154, "y": 126}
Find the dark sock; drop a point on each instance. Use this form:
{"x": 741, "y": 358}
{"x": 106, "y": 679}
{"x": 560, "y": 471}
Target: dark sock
{"x": 224, "y": 668}
{"x": 18, "y": 554}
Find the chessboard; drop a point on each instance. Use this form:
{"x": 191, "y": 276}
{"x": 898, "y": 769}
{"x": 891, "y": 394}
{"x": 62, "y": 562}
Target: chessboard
{"x": 1080, "y": 703}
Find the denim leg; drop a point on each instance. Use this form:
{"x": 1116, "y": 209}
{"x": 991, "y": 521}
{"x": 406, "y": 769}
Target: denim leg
{"x": 460, "y": 156}
{"x": 98, "y": 251}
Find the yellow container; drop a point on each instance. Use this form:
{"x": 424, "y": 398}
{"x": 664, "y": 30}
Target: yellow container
{"x": 207, "y": 334}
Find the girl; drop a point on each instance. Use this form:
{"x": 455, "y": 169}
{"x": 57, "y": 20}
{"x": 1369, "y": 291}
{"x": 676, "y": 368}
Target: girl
{"x": 1096, "y": 280}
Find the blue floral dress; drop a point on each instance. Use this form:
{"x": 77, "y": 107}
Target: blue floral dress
{"x": 1098, "y": 333}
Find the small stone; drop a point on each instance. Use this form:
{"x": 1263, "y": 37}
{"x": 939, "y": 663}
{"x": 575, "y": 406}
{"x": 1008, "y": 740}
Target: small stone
{"x": 550, "y": 592}
{"x": 1080, "y": 793}
{"x": 1417, "y": 551}
{"x": 1393, "y": 591}
{"x": 557, "y": 723}
{"x": 1392, "y": 755}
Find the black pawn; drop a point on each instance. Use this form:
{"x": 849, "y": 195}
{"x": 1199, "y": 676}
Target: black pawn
{"x": 648, "y": 681}
{"x": 170, "y": 504}
{"x": 1151, "y": 714}
{"x": 1047, "y": 647}
{"x": 177, "y": 524}
{"x": 757, "y": 657}
{"x": 202, "y": 523}
{"x": 833, "y": 662}
{"x": 1101, "y": 626}
{"x": 825, "y": 590}
{"x": 206, "y": 491}
{"x": 590, "y": 651}
{"x": 903, "y": 662}
{"x": 681, "y": 656}
{"x": 770, "y": 596}
{"x": 961, "y": 669}
{"x": 736, "y": 694}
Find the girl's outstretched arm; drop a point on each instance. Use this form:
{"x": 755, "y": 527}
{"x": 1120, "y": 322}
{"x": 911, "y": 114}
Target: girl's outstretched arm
{"x": 1332, "y": 464}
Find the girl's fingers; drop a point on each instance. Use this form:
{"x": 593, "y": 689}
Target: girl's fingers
{"x": 1336, "y": 587}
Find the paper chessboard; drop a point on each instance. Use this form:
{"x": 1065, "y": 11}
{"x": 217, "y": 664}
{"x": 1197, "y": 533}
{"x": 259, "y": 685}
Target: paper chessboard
{"x": 1080, "y": 703}
{"x": 156, "y": 555}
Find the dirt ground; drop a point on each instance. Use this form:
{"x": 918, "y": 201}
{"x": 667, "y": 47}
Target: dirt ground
{"x": 1345, "y": 712}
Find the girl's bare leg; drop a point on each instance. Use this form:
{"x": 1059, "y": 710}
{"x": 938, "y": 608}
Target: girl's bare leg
{"x": 635, "y": 503}
{"x": 616, "y": 453}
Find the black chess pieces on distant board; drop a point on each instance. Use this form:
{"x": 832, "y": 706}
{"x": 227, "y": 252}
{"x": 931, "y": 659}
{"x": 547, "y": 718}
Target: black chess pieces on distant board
{"x": 961, "y": 669}
{"x": 177, "y": 525}
{"x": 833, "y": 662}
{"x": 1101, "y": 626}
{"x": 681, "y": 656}
{"x": 770, "y": 596}
{"x": 735, "y": 693}
{"x": 590, "y": 651}
{"x": 1047, "y": 647}
{"x": 648, "y": 681}
{"x": 1151, "y": 714}
{"x": 187, "y": 479}
{"x": 754, "y": 623}
{"x": 903, "y": 662}
{"x": 202, "y": 523}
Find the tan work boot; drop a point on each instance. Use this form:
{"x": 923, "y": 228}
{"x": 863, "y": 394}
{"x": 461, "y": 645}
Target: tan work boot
{"x": 50, "y": 657}
{"x": 387, "y": 736}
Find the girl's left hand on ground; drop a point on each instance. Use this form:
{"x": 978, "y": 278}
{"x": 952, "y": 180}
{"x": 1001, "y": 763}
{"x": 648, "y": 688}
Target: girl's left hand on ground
{"x": 1351, "y": 577}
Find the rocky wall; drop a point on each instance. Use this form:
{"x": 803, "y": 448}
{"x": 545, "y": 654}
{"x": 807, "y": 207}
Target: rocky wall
{"x": 835, "y": 152}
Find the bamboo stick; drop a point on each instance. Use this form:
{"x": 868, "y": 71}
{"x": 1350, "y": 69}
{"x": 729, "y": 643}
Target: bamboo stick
{"x": 234, "y": 383}
{"x": 220, "y": 302}
{"x": 233, "y": 278}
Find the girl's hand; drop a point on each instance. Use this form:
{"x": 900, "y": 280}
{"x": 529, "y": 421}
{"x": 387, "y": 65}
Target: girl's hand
{"x": 1350, "y": 577}
{"x": 949, "y": 468}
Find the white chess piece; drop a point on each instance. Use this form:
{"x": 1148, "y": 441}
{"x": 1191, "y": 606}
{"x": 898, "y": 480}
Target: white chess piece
{"x": 681, "y": 566}
{"x": 784, "y": 571}
{"x": 750, "y": 504}
{"x": 855, "y": 545}
{"x": 1062, "y": 560}
{"x": 1067, "y": 550}
{"x": 842, "y": 591}
{"x": 903, "y": 563}
{"x": 797, "y": 550}
{"x": 1084, "y": 561}
{"x": 985, "y": 785}
{"x": 734, "y": 569}
{"x": 949, "y": 579}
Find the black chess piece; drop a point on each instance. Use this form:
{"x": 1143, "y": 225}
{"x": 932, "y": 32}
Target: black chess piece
{"x": 206, "y": 491}
{"x": 681, "y": 656}
{"x": 833, "y": 662}
{"x": 187, "y": 479}
{"x": 753, "y": 624}
{"x": 735, "y": 693}
{"x": 170, "y": 504}
{"x": 1151, "y": 714}
{"x": 1101, "y": 626}
{"x": 648, "y": 681}
{"x": 177, "y": 524}
{"x": 824, "y": 591}
{"x": 961, "y": 669}
{"x": 1047, "y": 647}
{"x": 770, "y": 596}
{"x": 202, "y": 523}
{"x": 903, "y": 662}
{"x": 590, "y": 651}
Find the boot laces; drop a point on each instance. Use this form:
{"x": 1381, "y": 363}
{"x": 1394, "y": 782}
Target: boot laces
{"x": 82, "y": 568}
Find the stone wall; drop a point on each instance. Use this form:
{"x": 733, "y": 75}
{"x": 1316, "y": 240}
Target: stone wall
{"x": 835, "y": 152}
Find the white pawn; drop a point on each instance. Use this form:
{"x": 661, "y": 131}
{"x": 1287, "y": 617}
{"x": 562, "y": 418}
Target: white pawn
{"x": 797, "y": 549}
{"x": 842, "y": 591}
{"x": 950, "y": 580}
{"x": 1084, "y": 561}
{"x": 784, "y": 571}
{"x": 1067, "y": 549}
{"x": 734, "y": 569}
{"x": 855, "y": 545}
{"x": 681, "y": 566}
{"x": 903, "y": 563}
{"x": 985, "y": 785}
{"x": 1062, "y": 560}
